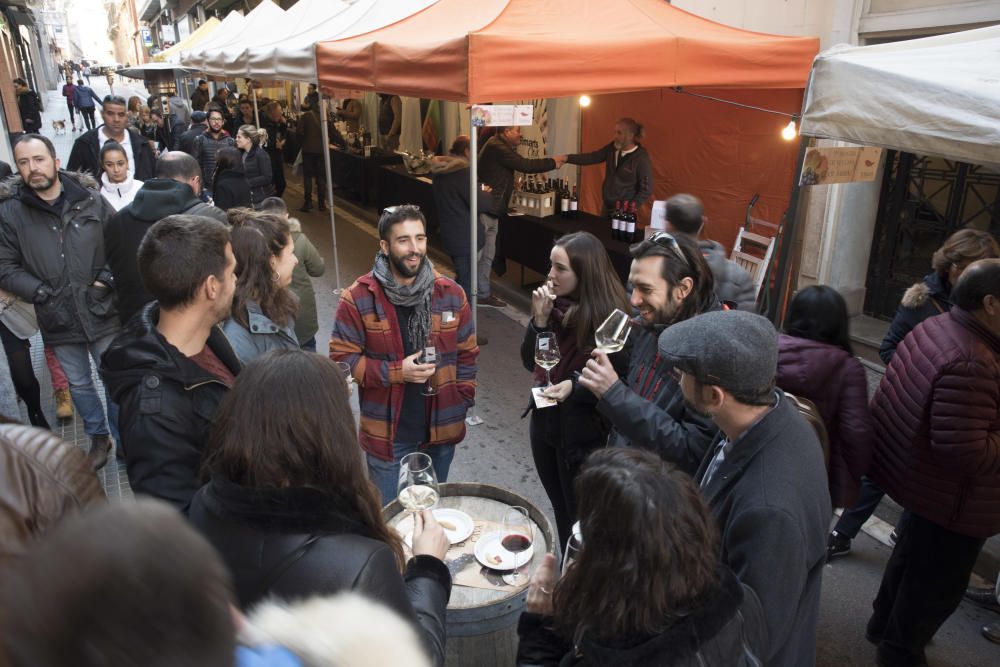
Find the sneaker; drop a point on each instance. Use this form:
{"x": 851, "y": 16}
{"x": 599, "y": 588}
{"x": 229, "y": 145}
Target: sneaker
{"x": 305, "y": 208}
{"x": 837, "y": 545}
{"x": 100, "y": 448}
{"x": 984, "y": 597}
{"x": 492, "y": 301}
{"x": 322, "y": 208}
{"x": 992, "y": 632}
{"x": 481, "y": 340}
{"x": 64, "y": 404}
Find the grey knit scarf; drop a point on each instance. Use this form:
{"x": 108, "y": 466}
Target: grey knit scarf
{"x": 416, "y": 295}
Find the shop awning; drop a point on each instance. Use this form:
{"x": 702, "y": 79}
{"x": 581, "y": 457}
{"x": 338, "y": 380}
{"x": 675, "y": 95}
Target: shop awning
{"x": 288, "y": 50}
{"x": 224, "y": 32}
{"x": 493, "y": 50}
{"x": 173, "y": 54}
{"x": 258, "y": 26}
{"x": 933, "y": 96}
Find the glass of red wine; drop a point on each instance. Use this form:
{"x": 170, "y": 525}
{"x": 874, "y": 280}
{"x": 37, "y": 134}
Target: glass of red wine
{"x": 516, "y": 537}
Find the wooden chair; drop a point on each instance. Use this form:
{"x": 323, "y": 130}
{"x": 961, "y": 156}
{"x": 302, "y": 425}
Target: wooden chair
{"x": 808, "y": 410}
{"x": 753, "y": 251}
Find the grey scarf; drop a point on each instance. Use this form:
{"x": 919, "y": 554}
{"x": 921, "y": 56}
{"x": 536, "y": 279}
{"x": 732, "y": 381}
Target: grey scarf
{"x": 416, "y": 295}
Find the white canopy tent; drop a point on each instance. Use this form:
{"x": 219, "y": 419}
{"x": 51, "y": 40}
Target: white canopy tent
{"x": 233, "y": 23}
{"x": 259, "y": 25}
{"x": 289, "y": 52}
{"x": 934, "y": 96}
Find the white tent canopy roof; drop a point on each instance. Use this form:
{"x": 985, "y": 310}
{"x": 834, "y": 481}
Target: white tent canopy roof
{"x": 935, "y": 96}
{"x": 233, "y": 23}
{"x": 289, "y": 50}
{"x": 216, "y": 58}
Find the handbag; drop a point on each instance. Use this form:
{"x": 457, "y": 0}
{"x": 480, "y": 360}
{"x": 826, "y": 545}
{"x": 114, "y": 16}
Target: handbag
{"x": 18, "y": 316}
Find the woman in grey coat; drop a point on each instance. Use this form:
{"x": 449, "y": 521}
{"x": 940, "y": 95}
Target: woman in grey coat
{"x": 263, "y": 316}
{"x": 256, "y": 162}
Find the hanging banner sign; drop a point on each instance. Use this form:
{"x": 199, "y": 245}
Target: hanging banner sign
{"x": 824, "y": 166}
{"x": 502, "y": 115}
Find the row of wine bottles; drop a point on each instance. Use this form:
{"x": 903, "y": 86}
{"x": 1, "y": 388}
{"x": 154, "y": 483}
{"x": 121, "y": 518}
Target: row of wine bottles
{"x": 623, "y": 220}
{"x": 566, "y": 201}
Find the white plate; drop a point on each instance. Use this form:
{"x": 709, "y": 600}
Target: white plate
{"x": 462, "y": 522}
{"x": 491, "y": 553}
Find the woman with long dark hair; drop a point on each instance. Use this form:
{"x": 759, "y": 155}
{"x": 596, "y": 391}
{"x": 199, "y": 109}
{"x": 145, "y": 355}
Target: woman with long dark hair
{"x": 816, "y": 361}
{"x": 229, "y": 182}
{"x": 289, "y": 506}
{"x": 256, "y": 163}
{"x": 648, "y": 586}
{"x": 263, "y": 306}
{"x": 581, "y": 291}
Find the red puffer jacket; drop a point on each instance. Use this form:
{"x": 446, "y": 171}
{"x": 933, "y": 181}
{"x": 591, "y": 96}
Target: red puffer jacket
{"x": 937, "y": 425}
{"x": 835, "y": 381}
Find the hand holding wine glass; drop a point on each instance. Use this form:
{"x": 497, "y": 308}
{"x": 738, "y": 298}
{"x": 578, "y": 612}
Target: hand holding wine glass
{"x": 516, "y": 537}
{"x": 613, "y": 332}
{"x": 547, "y": 354}
{"x": 429, "y": 356}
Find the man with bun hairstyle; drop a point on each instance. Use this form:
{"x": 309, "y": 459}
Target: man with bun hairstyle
{"x": 628, "y": 171}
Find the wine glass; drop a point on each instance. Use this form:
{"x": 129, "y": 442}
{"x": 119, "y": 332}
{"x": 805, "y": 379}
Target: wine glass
{"x": 516, "y": 537}
{"x": 613, "y": 332}
{"x": 573, "y": 546}
{"x": 546, "y": 354}
{"x": 429, "y": 356}
{"x": 418, "y": 485}
{"x": 345, "y": 368}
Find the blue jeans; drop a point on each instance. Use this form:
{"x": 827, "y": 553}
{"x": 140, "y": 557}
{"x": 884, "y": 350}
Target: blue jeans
{"x": 492, "y": 227}
{"x": 385, "y": 474}
{"x": 75, "y": 361}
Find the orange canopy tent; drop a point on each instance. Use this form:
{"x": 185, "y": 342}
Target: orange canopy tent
{"x": 492, "y": 50}
{"x": 631, "y": 52}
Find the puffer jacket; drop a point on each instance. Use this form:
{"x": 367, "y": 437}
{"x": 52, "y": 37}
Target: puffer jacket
{"x": 311, "y": 265}
{"x": 937, "y": 425}
{"x": 257, "y": 169}
{"x": 647, "y": 409}
{"x": 295, "y": 543}
{"x": 62, "y": 251}
{"x": 42, "y": 479}
{"x": 930, "y": 297}
{"x": 262, "y": 336}
{"x": 727, "y": 630}
{"x": 166, "y": 406}
{"x": 732, "y": 282}
{"x": 836, "y": 383}
{"x": 205, "y": 147}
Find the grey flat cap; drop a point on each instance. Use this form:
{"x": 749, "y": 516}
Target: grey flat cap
{"x": 733, "y": 349}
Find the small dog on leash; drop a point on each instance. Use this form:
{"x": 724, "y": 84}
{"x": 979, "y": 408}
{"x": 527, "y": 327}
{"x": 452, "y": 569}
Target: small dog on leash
{"x": 59, "y": 126}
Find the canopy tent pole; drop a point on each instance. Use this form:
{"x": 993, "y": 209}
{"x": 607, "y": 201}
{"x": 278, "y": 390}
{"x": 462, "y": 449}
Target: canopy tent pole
{"x": 256, "y": 114}
{"x": 775, "y": 311}
{"x": 472, "y": 419}
{"x": 329, "y": 190}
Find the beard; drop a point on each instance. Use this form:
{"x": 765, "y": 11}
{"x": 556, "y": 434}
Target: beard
{"x": 696, "y": 408}
{"x": 41, "y": 182}
{"x": 399, "y": 263}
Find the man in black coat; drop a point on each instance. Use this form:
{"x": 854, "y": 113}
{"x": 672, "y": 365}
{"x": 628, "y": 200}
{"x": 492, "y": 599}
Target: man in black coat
{"x": 175, "y": 189}
{"x": 86, "y": 153}
{"x": 764, "y": 477}
{"x": 184, "y": 141}
{"x": 498, "y": 160}
{"x": 29, "y": 105}
{"x": 171, "y": 365}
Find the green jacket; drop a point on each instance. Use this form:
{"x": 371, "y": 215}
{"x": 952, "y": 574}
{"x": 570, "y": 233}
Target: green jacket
{"x": 310, "y": 266}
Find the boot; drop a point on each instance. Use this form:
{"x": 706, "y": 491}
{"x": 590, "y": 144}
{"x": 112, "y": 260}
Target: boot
{"x": 100, "y": 447}
{"x": 64, "y": 404}
{"x": 38, "y": 419}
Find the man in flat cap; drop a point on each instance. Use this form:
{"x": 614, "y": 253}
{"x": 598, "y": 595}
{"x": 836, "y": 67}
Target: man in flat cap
{"x": 764, "y": 477}
{"x": 670, "y": 283}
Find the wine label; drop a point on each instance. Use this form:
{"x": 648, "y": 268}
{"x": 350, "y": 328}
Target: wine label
{"x": 631, "y": 227}
{"x": 616, "y": 224}
{"x": 565, "y": 205}
{"x": 573, "y": 205}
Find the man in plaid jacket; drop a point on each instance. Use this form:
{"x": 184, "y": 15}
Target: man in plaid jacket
{"x": 384, "y": 322}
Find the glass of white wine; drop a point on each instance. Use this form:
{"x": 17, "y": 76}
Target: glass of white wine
{"x": 418, "y": 484}
{"x": 613, "y": 332}
{"x": 546, "y": 354}
{"x": 429, "y": 356}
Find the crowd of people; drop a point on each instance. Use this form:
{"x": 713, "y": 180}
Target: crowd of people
{"x": 697, "y": 468}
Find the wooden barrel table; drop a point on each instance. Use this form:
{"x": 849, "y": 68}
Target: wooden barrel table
{"x": 482, "y": 624}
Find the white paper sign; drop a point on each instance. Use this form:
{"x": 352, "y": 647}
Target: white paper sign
{"x": 502, "y": 115}
{"x": 658, "y": 217}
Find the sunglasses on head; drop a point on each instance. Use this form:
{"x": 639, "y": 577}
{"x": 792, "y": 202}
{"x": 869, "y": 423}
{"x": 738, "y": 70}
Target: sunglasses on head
{"x": 667, "y": 240}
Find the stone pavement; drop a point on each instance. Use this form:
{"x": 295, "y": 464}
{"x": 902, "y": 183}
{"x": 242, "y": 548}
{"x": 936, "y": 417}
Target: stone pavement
{"x": 498, "y": 452}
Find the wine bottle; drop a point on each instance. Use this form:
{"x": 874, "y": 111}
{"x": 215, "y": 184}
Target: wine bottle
{"x": 574, "y": 204}
{"x": 615, "y": 218}
{"x": 565, "y": 201}
{"x": 630, "y": 225}
{"x": 556, "y": 199}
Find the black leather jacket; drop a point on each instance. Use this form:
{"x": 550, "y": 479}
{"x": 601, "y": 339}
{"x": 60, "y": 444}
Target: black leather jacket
{"x": 166, "y": 406}
{"x": 299, "y": 542}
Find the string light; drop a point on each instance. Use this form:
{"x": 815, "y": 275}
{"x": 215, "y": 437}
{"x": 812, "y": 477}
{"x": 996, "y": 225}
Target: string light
{"x": 584, "y": 100}
{"x": 789, "y": 132}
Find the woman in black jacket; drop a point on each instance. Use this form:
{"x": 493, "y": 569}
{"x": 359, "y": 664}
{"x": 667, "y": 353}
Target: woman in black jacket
{"x": 229, "y": 184}
{"x": 290, "y": 509}
{"x": 256, "y": 162}
{"x": 647, "y": 586}
{"x": 581, "y": 291}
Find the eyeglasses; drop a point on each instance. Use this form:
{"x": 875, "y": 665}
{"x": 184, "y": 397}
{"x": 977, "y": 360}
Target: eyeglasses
{"x": 667, "y": 240}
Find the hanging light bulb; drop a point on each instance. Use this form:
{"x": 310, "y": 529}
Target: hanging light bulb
{"x": 789, "y": 132}
{"x": 584, "y": 100}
